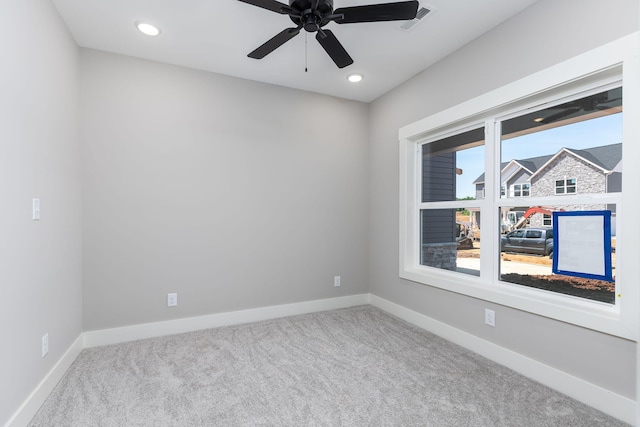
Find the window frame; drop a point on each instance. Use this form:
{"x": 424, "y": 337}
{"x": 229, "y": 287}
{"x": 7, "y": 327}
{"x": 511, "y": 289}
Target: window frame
{"x": 615, "y": 63}
{"x": 565, "y": 186}
{"x": 520, "y": 189}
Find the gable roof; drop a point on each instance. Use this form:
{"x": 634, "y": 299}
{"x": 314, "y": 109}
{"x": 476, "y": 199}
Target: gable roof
{"x": 599, "y": 157}
{"x": 535, "y": 163}
{"x": 606, "y": 157}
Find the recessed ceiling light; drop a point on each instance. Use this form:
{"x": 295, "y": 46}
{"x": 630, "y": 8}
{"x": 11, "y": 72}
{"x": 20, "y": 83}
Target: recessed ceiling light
{"x": 355, "y": 78}
{"x": 147, "y": 29}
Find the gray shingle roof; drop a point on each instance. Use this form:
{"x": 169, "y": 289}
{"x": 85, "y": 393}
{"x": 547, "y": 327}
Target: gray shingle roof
{"x": 605, "y": 156}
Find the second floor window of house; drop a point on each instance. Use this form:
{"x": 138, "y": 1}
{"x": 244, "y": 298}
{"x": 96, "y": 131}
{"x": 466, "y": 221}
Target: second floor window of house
{"x": 520, "y": 190}
{"x": 566, "y": 186}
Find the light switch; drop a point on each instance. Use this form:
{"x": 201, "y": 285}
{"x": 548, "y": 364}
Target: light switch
{"x": 36, "y": 209}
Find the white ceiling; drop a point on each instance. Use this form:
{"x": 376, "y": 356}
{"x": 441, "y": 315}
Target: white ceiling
{"x": 217, "y": 35}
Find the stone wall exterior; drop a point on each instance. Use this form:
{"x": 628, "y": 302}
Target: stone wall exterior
{"x": 589, "y": 179}
{"x": 440, "y": 255}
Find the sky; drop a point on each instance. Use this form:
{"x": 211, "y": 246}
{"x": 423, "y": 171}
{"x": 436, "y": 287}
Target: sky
{"x": 590, "y": 133}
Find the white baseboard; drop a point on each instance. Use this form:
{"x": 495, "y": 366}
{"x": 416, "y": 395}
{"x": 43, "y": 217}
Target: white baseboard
{"x": 169, "y": 327}
{"x": 595, "y": 396}
{"x": 30, "y": 406}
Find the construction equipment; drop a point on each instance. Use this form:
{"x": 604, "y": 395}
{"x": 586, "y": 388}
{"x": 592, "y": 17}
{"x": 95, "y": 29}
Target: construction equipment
{"x": 526, "y": 217}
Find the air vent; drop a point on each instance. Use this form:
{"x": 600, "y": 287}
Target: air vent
{"x": 423, "y": 12}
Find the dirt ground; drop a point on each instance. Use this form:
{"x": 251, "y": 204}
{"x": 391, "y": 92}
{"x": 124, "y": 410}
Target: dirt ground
{"x": 595, "y": 290}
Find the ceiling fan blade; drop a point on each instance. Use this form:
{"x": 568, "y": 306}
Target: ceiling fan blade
{"x": 274, "y": 43}
{"x": 399, "y": 11}
{"x": 609, "y": 103}
{"x": 560, "y": 115}
{"x": 334, "y": 49}
{"x": 272, "y": 5}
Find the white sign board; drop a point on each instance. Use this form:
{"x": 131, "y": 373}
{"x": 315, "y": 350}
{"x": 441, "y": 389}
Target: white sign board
{"x": 582, "y": 244}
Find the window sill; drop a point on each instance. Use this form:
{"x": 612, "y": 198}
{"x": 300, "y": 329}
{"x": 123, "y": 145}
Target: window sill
{"x": 590, "y": 314}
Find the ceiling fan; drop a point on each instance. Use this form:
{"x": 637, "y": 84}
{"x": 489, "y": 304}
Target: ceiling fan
{"x": 312, "y": 15}
{"x": 598, "y": 102}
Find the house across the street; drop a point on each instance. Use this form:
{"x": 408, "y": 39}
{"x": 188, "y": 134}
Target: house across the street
{"x": 568, "y": 172}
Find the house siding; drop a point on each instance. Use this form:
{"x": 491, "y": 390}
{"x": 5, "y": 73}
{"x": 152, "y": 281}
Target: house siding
{"x": 521, "y": 177}
{"x": 438, "y": 184}
{"x": 439, "y": 177}
{"x": 614, "y": 182}
{"x": 438, "y": 225}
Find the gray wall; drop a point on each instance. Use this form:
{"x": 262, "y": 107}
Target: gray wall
{"x": 232, "y": 193}
{"x": 545, "y": 34}
{"x": 40, "y": 261}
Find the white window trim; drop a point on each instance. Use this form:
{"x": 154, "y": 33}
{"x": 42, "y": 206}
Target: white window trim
{"x": 564, "y": 187}
{"x": 596, "y": 67}
{"x": 521, "y": 185}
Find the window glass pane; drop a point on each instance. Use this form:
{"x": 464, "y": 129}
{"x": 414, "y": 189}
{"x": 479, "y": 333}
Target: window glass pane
{"x": 517, "y": 233}
{"x": 450, "y": 239}
{"x": 528, "y": 261}
{"x": 572, "y": 148}
{"x": 453, "y": 167}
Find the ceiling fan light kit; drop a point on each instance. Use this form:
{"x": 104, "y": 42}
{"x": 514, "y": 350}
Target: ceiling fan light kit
{"x": 313, "y": 15}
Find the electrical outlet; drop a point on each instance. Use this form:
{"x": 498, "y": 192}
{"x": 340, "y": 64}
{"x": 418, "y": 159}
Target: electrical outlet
{"x": 489, "y": 317}
{"x": 172, "y": 300}
{"x": 45, "y": 345}
{"x": 336, "y": 281}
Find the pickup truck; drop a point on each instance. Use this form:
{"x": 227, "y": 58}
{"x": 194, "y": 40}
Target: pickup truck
{"x": 528, "y": 240}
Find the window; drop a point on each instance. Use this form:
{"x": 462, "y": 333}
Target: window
{"x": 534, "y": 234}
{"x": 581, "y": 135}
{"x": 566, "y": 186}
{"x": 539, "y": 134}
{"x": 520, "y": 190}
{"x": 518, "y": 234}
{"x": 449, "y": 166}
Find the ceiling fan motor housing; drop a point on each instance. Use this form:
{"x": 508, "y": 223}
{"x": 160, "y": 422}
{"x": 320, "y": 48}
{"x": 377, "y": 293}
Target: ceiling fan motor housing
{"x": 312, "y": 13}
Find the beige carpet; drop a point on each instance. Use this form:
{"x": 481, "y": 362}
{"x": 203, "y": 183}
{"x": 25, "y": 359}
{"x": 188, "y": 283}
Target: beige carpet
{"x": 351, "y": 367}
